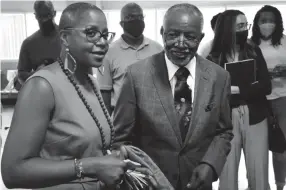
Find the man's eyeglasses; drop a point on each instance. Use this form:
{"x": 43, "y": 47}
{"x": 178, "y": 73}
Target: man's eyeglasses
{"x": 243, "y": 26}
{"x": 187, "y": 37}
{"x": 93, "y": 35}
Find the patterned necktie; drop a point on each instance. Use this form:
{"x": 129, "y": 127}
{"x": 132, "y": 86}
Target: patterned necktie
{"x": 183, "y": 100}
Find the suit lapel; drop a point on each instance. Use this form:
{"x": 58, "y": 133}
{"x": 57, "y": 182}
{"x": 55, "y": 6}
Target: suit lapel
{"x": 162, "y": 84}
{"x": 202, "y": 86}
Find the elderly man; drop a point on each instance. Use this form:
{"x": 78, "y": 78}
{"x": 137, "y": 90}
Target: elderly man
{"x": 130, "y": 48}
{"x": 42, "y": 47}
{"x": 174, "y": 105}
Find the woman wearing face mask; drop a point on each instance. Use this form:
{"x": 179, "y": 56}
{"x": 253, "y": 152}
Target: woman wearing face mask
{"x": 267, "y": 32}
{"x": 248, "y": 103}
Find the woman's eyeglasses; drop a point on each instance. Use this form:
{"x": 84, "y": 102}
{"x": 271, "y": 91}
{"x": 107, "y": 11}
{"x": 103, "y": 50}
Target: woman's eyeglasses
{"x": 243, "y": 26}
{"x": 93, "y": 35}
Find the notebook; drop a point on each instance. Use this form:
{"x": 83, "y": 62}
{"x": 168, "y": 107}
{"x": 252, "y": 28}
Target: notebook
{"x": 242, "y": 72}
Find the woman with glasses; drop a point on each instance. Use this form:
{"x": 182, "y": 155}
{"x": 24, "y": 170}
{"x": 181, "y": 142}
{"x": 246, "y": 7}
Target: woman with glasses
{"x": 267, "y": 33}
{"x": 248, "y": 103}
{"x": 61, "y": 133}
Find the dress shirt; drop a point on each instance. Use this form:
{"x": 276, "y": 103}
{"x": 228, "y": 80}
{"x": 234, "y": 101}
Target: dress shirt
{"x": 172, "y": 68}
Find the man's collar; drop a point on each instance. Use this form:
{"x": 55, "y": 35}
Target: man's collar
{"x": 172, "y": 68}
{"x": 124, "y": 45}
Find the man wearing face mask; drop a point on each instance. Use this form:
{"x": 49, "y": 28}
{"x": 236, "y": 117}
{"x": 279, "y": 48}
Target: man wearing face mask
{"x": 42, "y": 47}
{"x": 174, "y": 105}
{"x": 130, "y": 48}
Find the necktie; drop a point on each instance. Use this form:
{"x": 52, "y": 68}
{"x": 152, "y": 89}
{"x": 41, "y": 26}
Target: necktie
{"x": 183, "y": 100}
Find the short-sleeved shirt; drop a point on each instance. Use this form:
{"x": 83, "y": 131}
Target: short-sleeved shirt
{"x": 120, "y": 55}
{"x": 37, "y": 48}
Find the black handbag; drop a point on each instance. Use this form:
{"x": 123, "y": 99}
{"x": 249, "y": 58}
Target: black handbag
{"x": 276, "y": 138}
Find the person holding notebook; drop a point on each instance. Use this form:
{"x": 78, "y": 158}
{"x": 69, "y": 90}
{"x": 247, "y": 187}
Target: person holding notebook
{"x": 248, "y": 102}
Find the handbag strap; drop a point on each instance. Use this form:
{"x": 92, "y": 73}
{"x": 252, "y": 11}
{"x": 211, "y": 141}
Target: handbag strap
{"x": 269, "y": 106}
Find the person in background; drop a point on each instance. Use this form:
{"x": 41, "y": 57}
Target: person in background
{"x": 267, "y": 33}
{"x": 204, "y": 49}
{"x": 174, "y": 105}
{"x": 214, "y": 20}
{"x": 248, "y": 103}
{"x": 61, "y": 132}
{"x": 131, "y": 47}
{"x": 42, "y": 47}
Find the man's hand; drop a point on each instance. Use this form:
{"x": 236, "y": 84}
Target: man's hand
{"x": 202, "y": 177}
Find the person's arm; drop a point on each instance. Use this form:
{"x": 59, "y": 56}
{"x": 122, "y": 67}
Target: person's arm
{"x": 22, "y": 166}
{"x": 219, "y": 149}
{"x": 104, "y": 78}
{"x": 262, "y": 86}
{"x": 25, "y": 69}
{"x": 125, "y": 111}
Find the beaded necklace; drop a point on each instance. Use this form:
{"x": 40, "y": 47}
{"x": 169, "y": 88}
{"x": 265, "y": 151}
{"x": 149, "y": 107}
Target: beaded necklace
{"x": 105, "y": 148}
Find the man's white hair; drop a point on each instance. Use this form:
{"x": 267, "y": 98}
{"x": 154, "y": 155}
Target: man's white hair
{"x": 184, "y": 8}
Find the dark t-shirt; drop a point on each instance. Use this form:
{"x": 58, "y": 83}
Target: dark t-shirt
{"x": 36, "y": 50}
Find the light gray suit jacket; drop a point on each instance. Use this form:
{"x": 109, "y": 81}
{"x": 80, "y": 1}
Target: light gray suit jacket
{"x": 145, "y": 116}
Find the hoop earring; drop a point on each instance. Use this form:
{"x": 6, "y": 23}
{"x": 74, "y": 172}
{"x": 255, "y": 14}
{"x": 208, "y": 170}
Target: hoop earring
{"x": 66, "y": 63}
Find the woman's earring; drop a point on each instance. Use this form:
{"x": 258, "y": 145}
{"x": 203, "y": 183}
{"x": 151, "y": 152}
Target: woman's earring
{"x": 66, "y": 64}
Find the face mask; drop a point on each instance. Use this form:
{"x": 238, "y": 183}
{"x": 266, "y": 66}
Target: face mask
{"x": 267, "y": 29}
{"x": 241, "y": 37}
{"x": 47, "y": 27}
{"x": 134, "y": 27}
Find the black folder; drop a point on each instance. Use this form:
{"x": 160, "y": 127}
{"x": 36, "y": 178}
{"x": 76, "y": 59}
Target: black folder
{"x": 242, "y": 72}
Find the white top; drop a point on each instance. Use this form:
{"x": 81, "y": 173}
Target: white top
{"x": 205, "y": 48}
{"x": 274, "y": 56}
{"x": 172, "y": 68}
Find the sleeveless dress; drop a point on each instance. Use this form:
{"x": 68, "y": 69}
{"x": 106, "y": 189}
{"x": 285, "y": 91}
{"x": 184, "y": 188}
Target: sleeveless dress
{"x": 72, "y": 133}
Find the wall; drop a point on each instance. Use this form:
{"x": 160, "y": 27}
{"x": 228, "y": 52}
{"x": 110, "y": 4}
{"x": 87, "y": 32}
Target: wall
{"x": 8, "y": 6}
{"x": 15, "y": 27}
